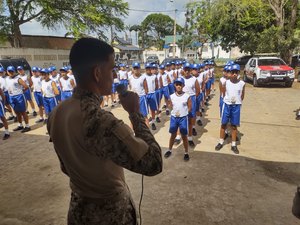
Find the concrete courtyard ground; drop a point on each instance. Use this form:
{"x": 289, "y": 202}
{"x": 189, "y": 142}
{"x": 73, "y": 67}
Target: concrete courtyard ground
{"x": 256, "y": 187}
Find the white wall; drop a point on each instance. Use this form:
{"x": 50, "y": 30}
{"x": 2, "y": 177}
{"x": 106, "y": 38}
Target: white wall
{"x": 38, "y": 56}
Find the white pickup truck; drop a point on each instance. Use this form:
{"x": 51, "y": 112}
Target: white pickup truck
{"x": 268, "y": 70}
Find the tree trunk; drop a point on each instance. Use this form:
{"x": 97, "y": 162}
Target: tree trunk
{"x": 17, "y": 36}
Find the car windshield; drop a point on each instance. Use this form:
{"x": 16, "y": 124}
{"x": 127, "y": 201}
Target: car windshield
{"x": 271, "y": 62}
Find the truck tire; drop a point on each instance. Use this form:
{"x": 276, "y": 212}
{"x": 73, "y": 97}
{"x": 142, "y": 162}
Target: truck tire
{"x": 245, "y": 78}
{"x": 289, "y": 84}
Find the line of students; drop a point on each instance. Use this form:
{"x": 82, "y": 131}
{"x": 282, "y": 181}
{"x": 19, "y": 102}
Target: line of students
{"x": 49, "y": 88}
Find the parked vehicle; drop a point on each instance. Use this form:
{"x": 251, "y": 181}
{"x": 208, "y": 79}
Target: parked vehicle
{"x": 152, "y": 59}
{"x": 295, "y": 61}
{"x": 242, "y": 61}
{"x": 16, "y": 62}
{"x": 268, "y": 70}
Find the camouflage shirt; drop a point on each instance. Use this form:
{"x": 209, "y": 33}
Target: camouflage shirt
{"x": 99, "y": 145}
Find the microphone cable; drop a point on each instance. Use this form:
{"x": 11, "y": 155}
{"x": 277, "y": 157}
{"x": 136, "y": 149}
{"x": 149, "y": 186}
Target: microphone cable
{"x": 141, "y": 198}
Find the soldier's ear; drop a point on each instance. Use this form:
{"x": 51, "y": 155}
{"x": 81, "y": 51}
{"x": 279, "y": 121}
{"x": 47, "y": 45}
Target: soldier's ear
{"x": 97, "y": 74}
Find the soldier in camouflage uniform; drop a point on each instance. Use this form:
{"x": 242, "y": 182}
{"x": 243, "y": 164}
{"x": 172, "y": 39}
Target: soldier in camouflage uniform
{"x": 93, "y": 146}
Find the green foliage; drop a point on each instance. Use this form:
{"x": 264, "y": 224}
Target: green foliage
{"x": 79, "y": 17}
{"x": 155, "y": 27}
{"x": 251, "y": 25}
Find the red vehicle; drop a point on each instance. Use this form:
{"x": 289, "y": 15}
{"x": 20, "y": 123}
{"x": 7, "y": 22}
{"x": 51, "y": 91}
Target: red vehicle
{"x": 268, "y": 70}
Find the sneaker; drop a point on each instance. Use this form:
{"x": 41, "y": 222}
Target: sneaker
{"x": 6, "y": 136}
{"x": 199, "y": 122}
{"x": 105, "y": 105}
{"x": 1, "y": 125}
{"x": 203, "y": 110}
{"x": 10, "y": 118}
{"x": 226, "y": 136}
{"x": 34, "y": 113}
{"x": 168, "y": 154}
{"x": 186, "y": 157}
{"x": 39, "y": 121}
{"x": 15, "y": 119}
{"x": 26, "y": 129}
{"x": 27, "y": 112}
{"x": 167, "y": 112}
{"x": 112, "y": 106}
{"x": 298, "y": 117}
{"x": 237, "y": 138}
{"x": 177, "y": 141}
{"x": 218, "y": 147}
{"x": 157, "y": 120}
{"x": 206, "y": 103}
{"x": 153, "y": 127}
{"x": 115, "y": 102}
{"x": 235, "y": 150}
{"x": 18, "y": 128}
{"x": 164, "y": 107}
{"x": 191, "y": 144}
{"x": 194, "y": 132}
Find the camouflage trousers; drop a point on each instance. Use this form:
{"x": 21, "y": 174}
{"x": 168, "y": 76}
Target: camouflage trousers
{"x": 83, "y": 211}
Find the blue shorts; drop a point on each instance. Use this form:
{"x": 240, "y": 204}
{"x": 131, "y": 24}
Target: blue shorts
{"x": 38, "y": 98}
{"x": 208, "y": 84}
{"x": 192, "y": 113}
{"x": 171, "y": 88}
{"x": 114, "y": 88}
{"x": 66, "y": 94}
{"x": 58, "y": 97}
{"x": 49, "y": 104}
{"x": 143, "y": 106}
{"x": 125, "y": 83}
{"x": 27, "y": 95}
{"x": 221, "y": 105}
{"x": 231, "y": 113}
{"x": 152, "y": 101}
{"x": 179, "y": 122}
{"x": 212, "y": 80}
{"x": 158, "y": 94}
{"x": 18, "y": 103}
{"x": 165, "y": 92}
{"x": 199, "y": 99}
{"x": 2, "y": 110}
{"x": 7, "y": 100}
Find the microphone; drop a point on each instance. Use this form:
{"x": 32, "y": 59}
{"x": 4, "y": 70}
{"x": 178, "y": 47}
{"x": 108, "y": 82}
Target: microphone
{"x": 122, "y": 90}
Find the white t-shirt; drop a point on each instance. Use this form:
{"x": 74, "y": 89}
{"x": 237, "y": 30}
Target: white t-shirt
{"x": 123, "y": 75}
{"x": 3, "y": 84}
{"x": 25, "y": 79}
{"x": 158, "y": 76}
{"x": 13, "y": 86}
{"x": 37, "y": 83}
{"x": 66, "y": 84}
{"x": 164, "y": 78}
{"x": 151, "y": 83}
{"x": 137, "y": 84}
{"x": 233, "y": 93}
{"x": 47, "y": 89}
{"x": 222, "y": 81}
{"x": 170, "y": 74}
{"x": 200, "y": 80}
{"x": 56, "y": 80}
{"x": 189, "y": 85}
{"x": 180, "y": 105}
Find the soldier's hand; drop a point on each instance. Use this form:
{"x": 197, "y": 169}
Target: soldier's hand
{"x": 130, "y": 102}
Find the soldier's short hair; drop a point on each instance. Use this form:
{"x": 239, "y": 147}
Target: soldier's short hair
{"x": 87, "y": 53}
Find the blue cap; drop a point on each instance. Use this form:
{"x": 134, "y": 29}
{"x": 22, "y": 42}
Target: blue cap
{"x": 20, "y": 68}
{"x": 68, "y": 67}
{"x": 168, "y": 64}
{"x": 64, "y": 68}
{"x": 179, "y": 80}
{"x": 173, "y": 63}
{"x": 1, "y": 70}
{"x": 11, "y": 68}
{"x": 235, "y": 67}
{"x": 45, "y": 70}
{"x": 53, "y": 68}
{"x": 154, "y": 66}
{"x": 127, "y": 66}
{"x": 34, "y": 69}
{"x": 136, "y": 65}
{"x": 162, "y": 66}
{"x": 122, "y": 65}
{"x": 225, "y": 68}
{"x": 148, "y": 65}
{"x": 195, "y": 66}
{"x": 229, "y": 63}
{"x": 187, "y": 65}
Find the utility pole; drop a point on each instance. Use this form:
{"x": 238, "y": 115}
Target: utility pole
{"x": 174, "y": 39}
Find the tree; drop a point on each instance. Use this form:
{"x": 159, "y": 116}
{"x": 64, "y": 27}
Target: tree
{"x": 252, "y": 25}
{"x": 155, "y": 27}
{"x": 79, "y": 17}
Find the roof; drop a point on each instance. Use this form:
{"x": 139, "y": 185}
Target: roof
{"x": 122, "y": 41}
{"x": 128, "y": 48}
{"x": 48, "y": 42}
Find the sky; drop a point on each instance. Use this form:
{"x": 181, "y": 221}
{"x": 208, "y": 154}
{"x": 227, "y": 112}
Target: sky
{"x": 135, "y": 16}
